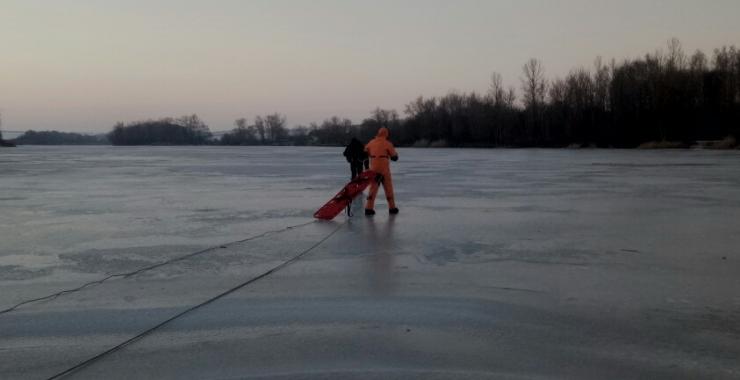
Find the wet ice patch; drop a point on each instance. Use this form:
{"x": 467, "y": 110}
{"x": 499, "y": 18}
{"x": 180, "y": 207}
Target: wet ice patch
{"x": 447, "y": 252}
{"x": 25, "y": 266}
{"x": 28, "y": 260}
{"x": 120, "y": 260}
{"x": 17, "y": 273}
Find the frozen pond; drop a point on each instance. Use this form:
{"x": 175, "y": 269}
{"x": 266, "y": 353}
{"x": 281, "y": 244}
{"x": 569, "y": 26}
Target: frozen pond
{"x": 640, "y": 247}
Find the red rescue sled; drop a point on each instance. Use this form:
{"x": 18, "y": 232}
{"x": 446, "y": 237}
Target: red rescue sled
{"x": 345, "y": 196}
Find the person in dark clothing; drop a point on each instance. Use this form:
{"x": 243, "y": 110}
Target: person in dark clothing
{"x": 357, "y": 157}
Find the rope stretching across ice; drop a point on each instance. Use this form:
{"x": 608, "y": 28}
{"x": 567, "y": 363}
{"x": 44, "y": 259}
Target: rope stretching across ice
{"x": 144, "y": 333}
{"x": 148, "y": 268}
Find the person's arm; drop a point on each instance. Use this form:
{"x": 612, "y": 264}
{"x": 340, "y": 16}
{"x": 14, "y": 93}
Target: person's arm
{"x": 346, "y": 154}
{"x": 392, "y": 152}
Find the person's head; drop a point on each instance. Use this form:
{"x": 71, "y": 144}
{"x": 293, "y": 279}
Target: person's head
{"x": 383, "y": 132}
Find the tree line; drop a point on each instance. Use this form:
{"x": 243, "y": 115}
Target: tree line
{"x": 667, "y": 95}
{"x": 185, "y": 130}
{"x": 32, "y": 137}
{"x": 663, "y": 96}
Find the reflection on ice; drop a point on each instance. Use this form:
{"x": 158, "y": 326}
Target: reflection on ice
{"x": 379, "y": 237}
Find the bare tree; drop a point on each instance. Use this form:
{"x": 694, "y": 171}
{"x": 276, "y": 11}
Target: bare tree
{"x": 275, "y": 125}
{"x": 241, "y": 123}
{"x": 601, "y": 83}
{"x": 335, "y": 131}
{"x": 510, "y": 97}
{"x": 698, "y": 62}
{"x": 496, "y": 91}
{"x": 384, "y": 118}
{"x": 194, "y": 124}
{"x": 534, "y": 84}
{"x": 259, "y": 124}
{"x": 676, "y": 59}
{"x": 243, "y": 134}
{"x": 557, "y": 92}
{"x": 498, "y": 95}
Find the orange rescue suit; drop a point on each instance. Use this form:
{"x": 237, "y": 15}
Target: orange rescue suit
{"x": 381, "y": 151}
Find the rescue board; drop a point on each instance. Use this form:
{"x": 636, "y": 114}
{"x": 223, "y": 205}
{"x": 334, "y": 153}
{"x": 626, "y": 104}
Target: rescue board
{"x": 345, "y": 196}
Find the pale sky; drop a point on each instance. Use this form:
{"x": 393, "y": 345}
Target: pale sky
{"x": 83, "y": 65}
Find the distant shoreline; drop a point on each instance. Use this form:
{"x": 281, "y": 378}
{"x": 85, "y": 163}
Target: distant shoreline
{"x": 717, "y": 145}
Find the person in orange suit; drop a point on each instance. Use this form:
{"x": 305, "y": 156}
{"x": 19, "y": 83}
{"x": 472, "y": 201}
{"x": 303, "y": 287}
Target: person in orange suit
{"x": 381, "y": 152}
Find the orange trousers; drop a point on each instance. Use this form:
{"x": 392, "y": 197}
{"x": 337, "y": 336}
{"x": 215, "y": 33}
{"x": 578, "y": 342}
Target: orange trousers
{"x": 387, "y": 182}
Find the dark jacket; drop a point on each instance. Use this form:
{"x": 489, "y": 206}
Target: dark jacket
{"x": 355, "y": 152}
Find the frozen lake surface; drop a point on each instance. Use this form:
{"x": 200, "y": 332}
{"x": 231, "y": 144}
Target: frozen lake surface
{"x": 502, "y": 264}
